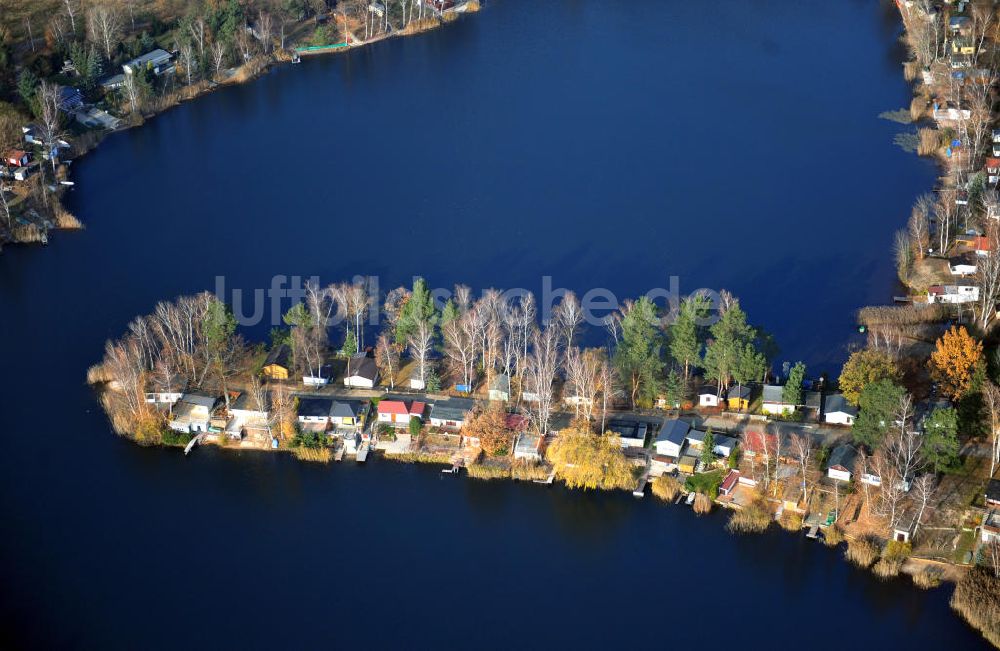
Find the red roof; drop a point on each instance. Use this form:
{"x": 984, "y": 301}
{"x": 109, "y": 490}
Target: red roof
{"x": 417, "y": 409}
{"x": 992, "y": 162}
{"x": 397, "y": 407}
{"x": 731, "y": 480}
{"x": 981, "y": 243}
{"x": 759, "y": 442}
{"x": 517, "y": 422}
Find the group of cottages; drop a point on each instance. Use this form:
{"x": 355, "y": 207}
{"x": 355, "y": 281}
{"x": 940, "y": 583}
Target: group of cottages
{"x": 830, "y": 408}
{"x": 361, "y": 372}
{"x": 196, "y": 413}
{"x": 678, "y": 447}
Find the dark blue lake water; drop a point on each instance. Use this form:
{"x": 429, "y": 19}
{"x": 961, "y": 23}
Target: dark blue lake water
{"x": 602, "y": 144}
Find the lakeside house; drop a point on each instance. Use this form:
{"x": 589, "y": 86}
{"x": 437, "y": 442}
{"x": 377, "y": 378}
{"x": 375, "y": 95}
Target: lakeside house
{"x": 528, "y": 447}
{"x": 278, "y": 365}
{"x": 964, "y": 264}
{"x": 738, "y": 398}
{"x": 159, "y": 61}
{"x": 193, "y": 413}
{"x": 989, "y": 530}
{"x": 500, "y": 388}
{"x": 671, "y": 438}
{"x": 842, "y": 462}
{"x": 632, "y": 433}
{"x": 837, "y": 411}
{"x": 314, "y": 413}
{"x": 247, "y": 418}
{"x": 729, "y": 483}
{"x": 773, "y": 401}
{"x": 724, "y": 445}
{"x": 952, "y": 294}
{"x": 349, "y": 414}
{"x": 451, "y": 413}
{"x": 708, "y": 396}
{"x": 394, "y": 412}
{"x": 362, "y": 372}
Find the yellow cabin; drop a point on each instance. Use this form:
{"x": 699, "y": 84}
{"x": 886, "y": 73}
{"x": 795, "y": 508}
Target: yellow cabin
{"x": 277, "y": 365}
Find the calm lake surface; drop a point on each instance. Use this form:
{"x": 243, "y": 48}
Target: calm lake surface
{"x": 602, "y": 144}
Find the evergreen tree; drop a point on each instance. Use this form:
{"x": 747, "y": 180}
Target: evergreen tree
{"x": 878, "y": 402}
{"x": 941, "y": 439}
{"x": 419, "y": 308}
{"x": 637, "y": 356}
{"x": 685, "y": 342}
{"x": 730, "y": 336}
{"x": 350, "y": 344}
{"x": 707, "y": 454}
{"x": 792, "y": 393}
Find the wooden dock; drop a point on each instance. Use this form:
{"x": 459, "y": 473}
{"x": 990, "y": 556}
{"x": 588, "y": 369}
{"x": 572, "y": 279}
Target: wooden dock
{"x": 340, "y": 454}
{"x": 363, "y": 453}
{"x": 548, "y": 480}
{"x": 813, "y": 532}
{"x": 193, "y": 442}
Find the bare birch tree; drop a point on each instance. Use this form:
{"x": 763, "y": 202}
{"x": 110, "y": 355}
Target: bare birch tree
{"x": 568, "y": 316}
{"x": 991, "y": 396}
{"x": 988, "y": 276}
{"x": 802, "y": 448}
{"x": 421, "y": 342}
{"x": 923, "y": 488}
{"x": 218, "y": 53}
{"x": 540, "y": 373}
{"x": 387, "y": 358}
{"x": 104, "y": 27}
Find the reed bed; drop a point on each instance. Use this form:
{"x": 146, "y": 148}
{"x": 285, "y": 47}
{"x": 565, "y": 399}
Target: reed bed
{"x": 666, "y": 488}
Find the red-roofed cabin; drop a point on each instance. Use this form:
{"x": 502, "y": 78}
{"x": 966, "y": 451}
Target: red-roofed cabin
{"x": 729, "y": 483}
{"x": 417, "y": 410}
{"x": 993, "y": 165}
{"x": 17, "y": 158}
{"x": 393, "y": 411}
{"x": 759, "y": 443}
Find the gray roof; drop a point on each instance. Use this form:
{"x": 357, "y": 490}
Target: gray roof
{"x": 199, "y": 399}
{"x": 741, "y": 391}
{"x": 349, "y": 409}
{"x": 364, "y": 367}
{"x": 843, "y": 456}
{"x": 245, "y": 402}
{"x": 527, "y": 442}
{"x": 279, "y": 355}
{"x": 774, "y": 393}
{"x": 814, "y": 399}
{"x": 993, "y": 490}
{"x": 835, "y": 402}
{"x": 315, "y": 407}
{"x": 452, "y": 409}
{"x": 673, "y": 430}
{"x": 150, "y": 57}
{"x": 696, "y": 435}
{"x": 725, "y": 441}
{"x": 629, "y": 429}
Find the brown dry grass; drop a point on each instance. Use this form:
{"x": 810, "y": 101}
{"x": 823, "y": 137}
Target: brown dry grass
{"x": 977, "y": 600}
{"x": 702, "y": 504}
{"x": 666, "y": 488}
{"x": 930, "y": 141}
{"x": 863, "y": 552}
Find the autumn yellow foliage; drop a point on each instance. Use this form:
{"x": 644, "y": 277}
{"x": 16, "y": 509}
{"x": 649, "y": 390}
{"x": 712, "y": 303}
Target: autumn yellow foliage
{"x": 864, "y": 367}
{"x": 585, "y": 460}
{"x": 954, "y": 361}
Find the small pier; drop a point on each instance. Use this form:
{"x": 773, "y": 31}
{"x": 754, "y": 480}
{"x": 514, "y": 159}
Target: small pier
{"x": 363, "y": 453}
{"x": 340, "y": 454}
{"x": 548, "y": 480}
{"x": 813, "y": 532}
{"x": 192, "y": 443}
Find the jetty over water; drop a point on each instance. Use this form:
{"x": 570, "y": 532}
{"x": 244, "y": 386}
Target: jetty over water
{"x": 193, "y": 442}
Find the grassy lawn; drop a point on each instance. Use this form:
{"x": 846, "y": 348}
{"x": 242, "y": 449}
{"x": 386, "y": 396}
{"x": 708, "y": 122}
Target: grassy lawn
{"x": 706, "y": 483}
